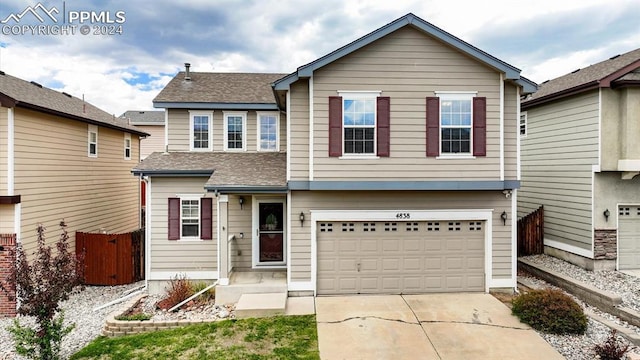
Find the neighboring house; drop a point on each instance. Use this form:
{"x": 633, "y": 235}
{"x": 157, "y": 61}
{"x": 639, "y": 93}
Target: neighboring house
{"x": 387, "y": 166}
{"x": 151, "y": 122}
{"x": 63, "y": 158}
{"x": 580, "y": 159}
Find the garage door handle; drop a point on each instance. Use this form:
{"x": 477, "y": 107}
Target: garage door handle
{"x": 358, "y": 267}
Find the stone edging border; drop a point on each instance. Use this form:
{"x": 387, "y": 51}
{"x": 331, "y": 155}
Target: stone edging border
{"x": 115, "y": 327}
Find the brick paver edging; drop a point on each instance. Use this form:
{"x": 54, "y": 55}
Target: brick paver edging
{"x": 115, "y": 327}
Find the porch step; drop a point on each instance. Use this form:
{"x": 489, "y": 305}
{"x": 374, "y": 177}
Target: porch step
{"x": 251, "y": 283}
{"x": 261, "y": 305}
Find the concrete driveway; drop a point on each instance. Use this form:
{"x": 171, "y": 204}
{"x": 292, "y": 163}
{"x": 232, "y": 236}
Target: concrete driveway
{"x": 434, "y": 326}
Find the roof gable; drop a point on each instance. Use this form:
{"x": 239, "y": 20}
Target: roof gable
{"x": 410, "y": 19}
{"x": 17, "y": 92}
{"x": 607, "y": 73}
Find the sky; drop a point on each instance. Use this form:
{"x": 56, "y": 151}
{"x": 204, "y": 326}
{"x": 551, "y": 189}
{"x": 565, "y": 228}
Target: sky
{"x": 126, "y": 70}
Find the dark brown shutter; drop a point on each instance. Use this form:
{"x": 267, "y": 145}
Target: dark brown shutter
{"x": 479, "y": 126}
{"x": 174, "y": 219}
{"x": 206, "y": 232}
{"x": 384, "y": 114}
{"x": 335, "y": 126}
{"x": 433, "y": 126}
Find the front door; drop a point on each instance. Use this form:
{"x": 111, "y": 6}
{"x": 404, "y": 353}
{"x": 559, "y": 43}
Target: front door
{"x": 271, "y": 224}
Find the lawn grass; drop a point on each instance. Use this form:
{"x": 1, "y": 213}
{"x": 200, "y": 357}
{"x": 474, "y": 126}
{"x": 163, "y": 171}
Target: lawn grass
{"x": 280, "y": 337}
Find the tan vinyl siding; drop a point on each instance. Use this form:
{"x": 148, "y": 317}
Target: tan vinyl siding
{"x": 558, "y": 153}
{"x": 407, "y": 66}
{"x": 240, "y": 222}
{"x": 620, "y": 126}
{"x": 4, "y": 134}
{"x": 177, "y": 255}
{"x": 57, "y": 180}
{"x": 511, "y": 132}
{"x": 6, "y": 219}
{"x": 303, "y": 201}
{"x": 152, "y": 143}
{"x": 178, "y": 128}
{"x": 299, "y": 132}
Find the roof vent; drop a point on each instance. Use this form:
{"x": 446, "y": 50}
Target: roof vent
{"x": 575, "y": 71}
{"x": 546, "y": 81}
{"x": 36, "y": 84}
{"x": 140, "y": 112}
{"x": 66, "y": 94}
{"x": 613, "y": 57}
{"x": 2, "y": 72}
{"x": 187, "y": 73}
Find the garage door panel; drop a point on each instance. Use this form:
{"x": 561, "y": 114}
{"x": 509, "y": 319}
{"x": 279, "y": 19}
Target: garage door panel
{"x": 401, "y": 257}
{"x": 629, "y": 237}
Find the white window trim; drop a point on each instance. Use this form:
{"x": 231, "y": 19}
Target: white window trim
{"x": 526, "y": 124}
{"x": 192, "y": 114}
{"x": 191, "y": 198}
{"x": 259, "y": 131}
{"x": 455, "y": 95}
{"x": 361, "y": 95}
{"x": 92, "y": 129}
{"x": 226, "y": 115}
{"x": 127, "y": 136}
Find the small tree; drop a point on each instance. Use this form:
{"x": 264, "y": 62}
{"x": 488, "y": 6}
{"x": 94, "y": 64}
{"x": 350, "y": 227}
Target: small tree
{"x": 40, "y": 288}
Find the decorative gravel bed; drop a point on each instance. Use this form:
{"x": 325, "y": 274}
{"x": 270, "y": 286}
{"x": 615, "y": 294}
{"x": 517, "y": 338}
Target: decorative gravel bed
{"x": 79, "y": 310}
{"x": 581, "y": 347}
{"x": 191, "y": 311}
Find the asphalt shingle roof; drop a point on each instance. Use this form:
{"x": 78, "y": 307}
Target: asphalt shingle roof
{"x": 590, "y": 74}
{"x": 267, "y": 169}
{"x": 144, "y": 117}
{"x": 241, "y": 88}
{"x": 38, "y": 97}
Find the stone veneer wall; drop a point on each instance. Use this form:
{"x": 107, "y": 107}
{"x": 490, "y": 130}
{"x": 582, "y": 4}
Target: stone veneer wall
{"x": 605, "y": 244}
{"x": 7, "y": 261}
{"x": 115, "y": 327}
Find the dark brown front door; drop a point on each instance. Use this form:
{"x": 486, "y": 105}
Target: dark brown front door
{"x": 271, "y": 232}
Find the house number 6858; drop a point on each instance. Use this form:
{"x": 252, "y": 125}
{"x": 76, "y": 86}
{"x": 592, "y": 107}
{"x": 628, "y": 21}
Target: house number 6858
{"x": 403, "y": 216}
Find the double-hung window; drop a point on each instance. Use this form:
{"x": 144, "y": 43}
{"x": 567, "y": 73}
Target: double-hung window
{"x": 523, "y": 124}
{"x": 93, "y": 141}
{"x": 235, "y": 128}
{"x": 359, "y": 125}
{"x": 127, "y": 146}
{"x": 189, "y": 218}
{"x": 455, "y": 123}
{"x": 200, "y": 132}
{"x": 268, "y": 129}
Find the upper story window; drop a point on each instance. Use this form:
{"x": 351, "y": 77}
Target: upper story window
{"x": 93, "y": 141}
{"x": 235, "y": 130}
{"x": 359, "y": 124}
{"x": 127, "y": 146}
{"x": 523, "y": 123}
{"x": 268, "y": 130}
{"x": 200, "y": 130}
{"x": 455, "y": 123}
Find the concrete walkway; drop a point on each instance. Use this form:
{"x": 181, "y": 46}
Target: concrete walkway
{"x": 435, "y": 326}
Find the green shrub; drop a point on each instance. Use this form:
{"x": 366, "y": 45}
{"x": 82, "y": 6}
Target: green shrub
{"x": 612, "y": 348}
{"x": 207, "y": 296}
{"x": 550, "y": 311}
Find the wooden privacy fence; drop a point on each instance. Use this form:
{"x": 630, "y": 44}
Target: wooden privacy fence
{"x": 112, "y": 259}
{"x": 531, "y": 233}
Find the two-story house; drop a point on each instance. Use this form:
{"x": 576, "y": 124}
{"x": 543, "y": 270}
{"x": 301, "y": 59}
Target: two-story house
{"x": 151, "y": 122}
{"x": 63, "y": 158}
{"x": 389, "y": 165}
{"x": 580, "y": 159}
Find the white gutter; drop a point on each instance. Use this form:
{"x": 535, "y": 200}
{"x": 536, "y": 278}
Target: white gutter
{"x": 140, "y": 290}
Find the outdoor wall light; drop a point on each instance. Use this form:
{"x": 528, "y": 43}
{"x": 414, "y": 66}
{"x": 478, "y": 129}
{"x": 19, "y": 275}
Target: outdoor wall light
{"x": 241, "y": 201}
{"x": 301, "y": 218}
{"x": 606, "y": 214}
{"x": 503, "y": 216}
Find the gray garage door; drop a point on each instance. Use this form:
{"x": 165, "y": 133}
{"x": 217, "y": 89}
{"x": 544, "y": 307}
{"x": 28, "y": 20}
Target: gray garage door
{"x": 629, "y": 237}
{"x": 400, "y": 257}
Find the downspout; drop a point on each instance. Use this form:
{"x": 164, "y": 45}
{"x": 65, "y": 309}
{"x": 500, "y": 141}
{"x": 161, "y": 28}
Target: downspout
{"x": 501, "y": 127}
{"x": 11, "y": 172}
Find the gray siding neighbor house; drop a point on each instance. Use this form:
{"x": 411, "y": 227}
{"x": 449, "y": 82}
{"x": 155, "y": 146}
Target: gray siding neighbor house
{"x": 580, "y": 159}
{"x": 389, "y": 165}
